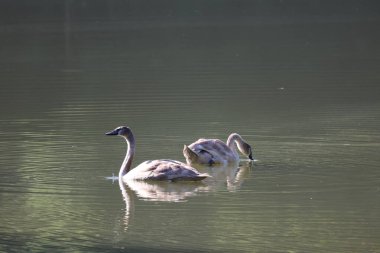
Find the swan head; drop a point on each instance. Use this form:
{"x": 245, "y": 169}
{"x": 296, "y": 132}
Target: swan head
{"x": 246, "y": 149}
{"x": 121, "y": 130}
{"x": 250, "y": 156}
{"x": 242, "y": 145}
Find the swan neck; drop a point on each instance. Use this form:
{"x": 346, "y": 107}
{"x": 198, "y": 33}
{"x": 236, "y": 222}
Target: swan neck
{"x": 127, "y": 163}
{"x": 231, "y": 141}
{"x": 235, "y": 141}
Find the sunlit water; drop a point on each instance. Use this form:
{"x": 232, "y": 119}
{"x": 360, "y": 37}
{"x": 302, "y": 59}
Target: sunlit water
{"x": 304, "y": 95}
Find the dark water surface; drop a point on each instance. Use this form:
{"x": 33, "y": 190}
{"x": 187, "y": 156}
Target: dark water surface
{"x": 303, "y": 90}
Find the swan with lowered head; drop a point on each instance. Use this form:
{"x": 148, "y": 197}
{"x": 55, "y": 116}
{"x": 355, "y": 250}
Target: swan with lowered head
{"x": 152, "y": 170}
{"x": 215, "y": 151}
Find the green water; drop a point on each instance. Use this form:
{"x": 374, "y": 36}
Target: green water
{"x": 303, "y": 91}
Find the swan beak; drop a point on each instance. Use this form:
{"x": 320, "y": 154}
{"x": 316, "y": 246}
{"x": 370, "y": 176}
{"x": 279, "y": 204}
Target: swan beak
{"x": 250, "y": 157}
{"x": 113, "y": 132}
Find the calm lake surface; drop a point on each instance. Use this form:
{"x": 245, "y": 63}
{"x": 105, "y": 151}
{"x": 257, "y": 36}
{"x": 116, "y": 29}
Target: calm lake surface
{"x": 302, "y": 89}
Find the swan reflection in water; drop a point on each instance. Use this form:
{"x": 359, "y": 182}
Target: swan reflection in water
{"x": 229, "y": 176}
{"x": 165, "y": 190}
{"x": 154, "y": 191}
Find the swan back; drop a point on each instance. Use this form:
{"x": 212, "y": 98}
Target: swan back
{"x": 164, "y": 170}
{"x": 210, "y": 151}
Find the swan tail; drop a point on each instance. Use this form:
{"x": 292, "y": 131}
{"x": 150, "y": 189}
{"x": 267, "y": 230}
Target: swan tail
{"x": 203, "y": 176}
{"x": 190, "y": 154}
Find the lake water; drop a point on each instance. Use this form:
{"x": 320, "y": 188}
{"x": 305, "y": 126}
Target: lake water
{"x": 304, "y": 92}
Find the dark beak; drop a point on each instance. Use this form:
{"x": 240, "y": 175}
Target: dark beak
{"x": 113, "y": 132}
{"x": 250, "y": 157}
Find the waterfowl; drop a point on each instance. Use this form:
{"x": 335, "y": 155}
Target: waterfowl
{"x": 215, "y": 151}
{"x": 152, "y": 170}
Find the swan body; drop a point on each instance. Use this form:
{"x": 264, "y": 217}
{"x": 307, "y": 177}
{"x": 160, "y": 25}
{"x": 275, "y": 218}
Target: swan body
{"x": 215, "y": 151}
{"x": 152, "y": 170}
{"x": 163, "y": 170}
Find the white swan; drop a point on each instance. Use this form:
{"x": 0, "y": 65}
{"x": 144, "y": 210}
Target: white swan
{"x": 152, "y": 170}
{"x": 215, "y": 151}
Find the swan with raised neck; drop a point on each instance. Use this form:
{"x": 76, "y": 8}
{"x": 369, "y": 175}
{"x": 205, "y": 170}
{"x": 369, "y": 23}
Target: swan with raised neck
{"x": 163, "y": 169}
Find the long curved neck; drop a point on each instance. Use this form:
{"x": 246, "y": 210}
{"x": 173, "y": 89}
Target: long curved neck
{"x": 232, "y": 139}
{"x": 126, "y": 166}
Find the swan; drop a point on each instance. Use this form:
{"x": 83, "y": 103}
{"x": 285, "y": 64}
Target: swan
{"x": 215, "y": 151}
{"x": 155, "y": 169}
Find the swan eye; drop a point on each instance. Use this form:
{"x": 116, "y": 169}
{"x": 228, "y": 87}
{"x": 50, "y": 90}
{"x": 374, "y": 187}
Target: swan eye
{"x": 122, "y": 130}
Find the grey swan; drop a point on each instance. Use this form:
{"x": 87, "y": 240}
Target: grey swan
{"x": 163, "y": 169}
{"x": 215, "y": 151}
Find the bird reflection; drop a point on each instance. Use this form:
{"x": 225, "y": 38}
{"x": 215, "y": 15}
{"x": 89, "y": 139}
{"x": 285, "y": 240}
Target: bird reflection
{"x": 129, "y": 205}
{"x": 230, "y": 176}
{"x": 236, "y": 176}
{"x": 165, "y": 191}
{"x": 156, "y": 191}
